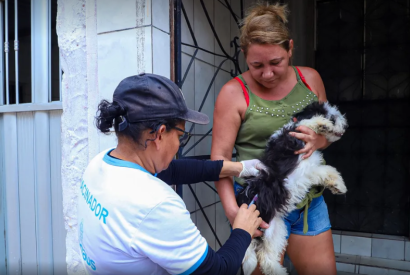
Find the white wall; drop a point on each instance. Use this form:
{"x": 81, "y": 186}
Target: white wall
{"x": 101, "y": 42}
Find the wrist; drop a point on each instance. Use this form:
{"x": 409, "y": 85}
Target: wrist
{"x": 231, "y": 212}
{"x": 324, "y": 144}
{"x": 239, "y": 168}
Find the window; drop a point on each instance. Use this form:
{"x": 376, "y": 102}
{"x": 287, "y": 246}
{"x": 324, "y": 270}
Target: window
{"x": 30, "y": 60}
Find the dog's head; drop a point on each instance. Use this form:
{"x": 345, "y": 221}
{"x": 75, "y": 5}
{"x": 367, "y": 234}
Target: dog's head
{"x": 327, "y": 111}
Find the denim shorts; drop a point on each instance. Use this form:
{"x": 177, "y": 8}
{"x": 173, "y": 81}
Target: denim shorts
{"x": 318, "y": 217}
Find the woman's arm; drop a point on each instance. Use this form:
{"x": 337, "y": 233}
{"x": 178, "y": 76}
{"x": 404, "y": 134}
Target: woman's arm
{"x": 231, "y": 169}
{"x": 169, "y": 238}
{"x": 186, "y": 171}
{"x": 229, "y": 257}
{"x": 229, "y": 111}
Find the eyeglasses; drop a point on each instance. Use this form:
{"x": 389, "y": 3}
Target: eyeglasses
{"x": 184, "y": 139}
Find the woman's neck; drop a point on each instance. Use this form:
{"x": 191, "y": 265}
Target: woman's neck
{"x": 129, "y": 151}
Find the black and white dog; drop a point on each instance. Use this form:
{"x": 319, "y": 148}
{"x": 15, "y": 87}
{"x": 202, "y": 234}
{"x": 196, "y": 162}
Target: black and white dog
{"x": 286, "y": 181}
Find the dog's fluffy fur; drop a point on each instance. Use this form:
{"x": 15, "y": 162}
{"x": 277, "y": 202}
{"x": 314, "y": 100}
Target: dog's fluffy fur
{"x": 286, "y": 181}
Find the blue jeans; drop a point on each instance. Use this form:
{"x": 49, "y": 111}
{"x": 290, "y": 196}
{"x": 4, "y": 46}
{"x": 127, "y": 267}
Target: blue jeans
{"x": 318, "y": 217}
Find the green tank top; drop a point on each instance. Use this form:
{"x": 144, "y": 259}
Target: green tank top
{"x": 264, "y": 117}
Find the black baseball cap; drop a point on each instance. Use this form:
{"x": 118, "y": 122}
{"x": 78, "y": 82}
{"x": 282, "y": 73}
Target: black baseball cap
{"x": 147, "y": 97}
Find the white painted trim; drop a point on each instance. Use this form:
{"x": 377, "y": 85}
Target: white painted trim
{"x": 12, "y": 204}
{"x": 59, "y": 232}
{"x": 2, "y": 200}
{"x": 31, "y": 107}
{"x": 26, "y": 187}
{"x": 40, "y": 50}
{"x": 43, "y": 193}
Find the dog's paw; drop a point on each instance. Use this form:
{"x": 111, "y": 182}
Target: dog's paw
{"x": 318, "y": 124}
{"x": 324, "y": 127}
{"x": 336, "y": 184}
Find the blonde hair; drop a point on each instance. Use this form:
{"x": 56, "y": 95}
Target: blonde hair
{"x": 265, "y": 24}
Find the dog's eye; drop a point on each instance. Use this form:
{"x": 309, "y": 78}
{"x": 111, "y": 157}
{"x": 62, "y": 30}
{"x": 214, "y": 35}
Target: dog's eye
{"x": 333, "y": 119}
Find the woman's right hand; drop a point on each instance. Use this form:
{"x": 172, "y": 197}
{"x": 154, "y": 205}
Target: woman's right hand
{"x": 247, "y": 219}
{"x": 232, "y": 218}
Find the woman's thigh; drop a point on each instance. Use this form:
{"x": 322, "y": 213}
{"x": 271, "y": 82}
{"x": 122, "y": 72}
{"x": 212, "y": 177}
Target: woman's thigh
{"x": 312, "y": 255}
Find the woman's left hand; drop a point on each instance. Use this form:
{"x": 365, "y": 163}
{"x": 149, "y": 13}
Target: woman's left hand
{"x": 251, "y": 168}
{"x": 312, "y": 141}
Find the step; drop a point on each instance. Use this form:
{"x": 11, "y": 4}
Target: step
{"x": 371, "y": 265}
{"x": 372, "y": 245}
{"x": 292, "y": 271}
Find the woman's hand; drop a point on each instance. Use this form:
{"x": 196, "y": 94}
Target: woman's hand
{"x": 234, "y": 213}
{"x": 312, "y": 141}
{"x": 251, "y": 168}
{"x": 247, "y": 219}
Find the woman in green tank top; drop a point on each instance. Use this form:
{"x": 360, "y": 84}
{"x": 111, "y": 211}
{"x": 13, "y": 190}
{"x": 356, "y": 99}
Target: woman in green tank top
{"x": 251, "y": 107}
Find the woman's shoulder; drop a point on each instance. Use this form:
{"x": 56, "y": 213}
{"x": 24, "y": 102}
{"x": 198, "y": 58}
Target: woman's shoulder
{"x": 230, "y": 101}
{"x": 310, "y": 74}
{"x": 231, "y": 93}
{"x": 233, "y": 86}
{"x": 312, "y": 77}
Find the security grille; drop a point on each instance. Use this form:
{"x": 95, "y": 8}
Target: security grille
{"x": 20, "y": 31}
{"x": 363, "y": 56}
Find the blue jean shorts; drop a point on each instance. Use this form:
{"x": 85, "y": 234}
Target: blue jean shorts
{"x": 318, "y": 217}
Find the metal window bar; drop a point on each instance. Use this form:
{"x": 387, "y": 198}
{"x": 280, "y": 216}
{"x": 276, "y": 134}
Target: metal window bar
{"x": 178, "y": 6}
{"x": 16, "y": 49}
{"x": 5, "y": 59}
{"x": 6, "y": 50}
{"x": 60, "y": 72}
{"x": 362, "y": 96}
{"x": 2, "y": 99}
{"x": 234, "y": 58}
{"x": 33, "y": 96}
{"x": 49, "y": 51}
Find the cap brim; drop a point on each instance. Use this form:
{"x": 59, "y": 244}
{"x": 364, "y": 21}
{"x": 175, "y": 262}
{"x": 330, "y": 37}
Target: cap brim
{"x": 195, "y": 117}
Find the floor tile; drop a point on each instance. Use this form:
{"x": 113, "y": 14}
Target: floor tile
{"x": 388, "y": 249}
{"x": 356, "y": 245}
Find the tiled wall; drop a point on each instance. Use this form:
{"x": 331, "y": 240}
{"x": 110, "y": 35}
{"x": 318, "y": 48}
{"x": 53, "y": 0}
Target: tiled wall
{"x": 372, "y": 245}
{"x": 198, "y": 80}
{"x": 371, "y": 253}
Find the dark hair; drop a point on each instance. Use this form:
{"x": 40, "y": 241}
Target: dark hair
{"x": 111, "y": 114}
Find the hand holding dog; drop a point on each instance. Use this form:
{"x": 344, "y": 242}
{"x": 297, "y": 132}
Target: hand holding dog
{"x": 248, "y": 219}
{"x": 251, "y": 168}
{"x": 312, "y": 141}
{"x": 233, "y": 219}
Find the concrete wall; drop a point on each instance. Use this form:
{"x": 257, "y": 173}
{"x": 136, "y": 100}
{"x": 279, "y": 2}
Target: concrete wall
{"x": 101, "y": 42}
